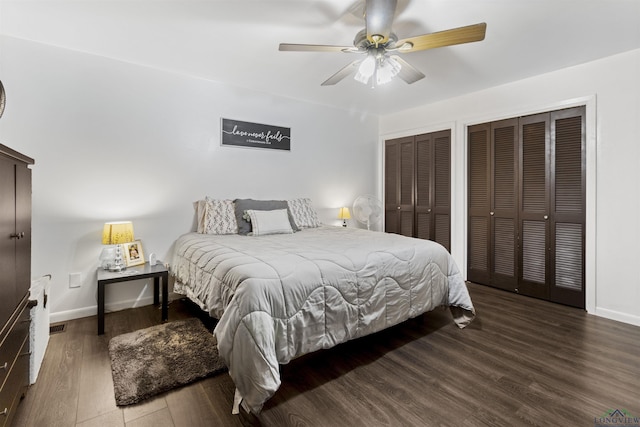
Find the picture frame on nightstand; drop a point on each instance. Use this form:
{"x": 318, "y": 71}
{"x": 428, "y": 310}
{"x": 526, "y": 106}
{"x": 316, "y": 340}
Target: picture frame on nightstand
{"x": 133, "y": 253}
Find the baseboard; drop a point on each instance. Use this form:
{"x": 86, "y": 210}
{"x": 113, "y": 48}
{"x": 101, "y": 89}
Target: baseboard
{"x": 616, "y": 315}
{"x": 78, "y": 313}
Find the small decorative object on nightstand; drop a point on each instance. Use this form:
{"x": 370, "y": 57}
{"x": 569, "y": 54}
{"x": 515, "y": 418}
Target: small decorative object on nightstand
{"x": 344, "y": 215}
{"x": 115, "y": 234}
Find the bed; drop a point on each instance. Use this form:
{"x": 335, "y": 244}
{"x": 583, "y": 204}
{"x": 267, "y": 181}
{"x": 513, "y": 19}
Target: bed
{"x": 279, "y": 296}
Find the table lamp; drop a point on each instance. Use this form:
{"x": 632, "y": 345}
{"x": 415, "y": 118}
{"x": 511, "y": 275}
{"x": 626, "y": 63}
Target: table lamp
{"x": 344, "y": 215}
{"x": 117, "y": 233}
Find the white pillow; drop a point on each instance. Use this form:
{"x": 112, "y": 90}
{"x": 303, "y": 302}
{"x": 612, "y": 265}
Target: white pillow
{"x": 220, "y": 217}
{"x": 269, "y": 222}
{"x": 304, "y": 215}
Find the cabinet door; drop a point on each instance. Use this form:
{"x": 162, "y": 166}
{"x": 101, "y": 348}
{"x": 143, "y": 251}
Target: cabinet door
{"x": 23, "y": 228}
{"x": 534, "y": 205}
{"x": 8, "y": 301}
{"x": 504, "y": 204}
{"x": 479, "y": 189}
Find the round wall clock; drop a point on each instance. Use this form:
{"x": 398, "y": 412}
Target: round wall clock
{"x": 2, "y": 98}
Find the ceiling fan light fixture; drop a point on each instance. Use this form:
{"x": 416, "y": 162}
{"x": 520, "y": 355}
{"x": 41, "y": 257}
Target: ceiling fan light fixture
{"x": 387, "y": 70}
{"x": 366, "y": 69}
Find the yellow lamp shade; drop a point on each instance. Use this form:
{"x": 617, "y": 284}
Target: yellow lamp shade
{"x": 115, "y": 233}
{"x": 344, "y": 213}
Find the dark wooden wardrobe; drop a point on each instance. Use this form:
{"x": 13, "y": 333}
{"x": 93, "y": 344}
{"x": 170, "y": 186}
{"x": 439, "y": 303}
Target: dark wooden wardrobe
{"x": 417, "y": 186}
{"x": 526, "y": 205}
{"x": 15, "y": 278}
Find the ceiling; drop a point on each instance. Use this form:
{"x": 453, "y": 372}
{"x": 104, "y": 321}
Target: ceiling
{"x": 236, "y": 41}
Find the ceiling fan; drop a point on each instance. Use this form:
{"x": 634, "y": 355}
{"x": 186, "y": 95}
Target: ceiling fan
{"x": 381, "y": 46}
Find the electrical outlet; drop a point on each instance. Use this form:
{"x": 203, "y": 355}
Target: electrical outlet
{"x": 75, "y": 280}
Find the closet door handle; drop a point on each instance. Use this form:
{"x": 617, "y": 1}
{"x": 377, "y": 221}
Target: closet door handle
{"x": 492, "y": 213}
{"x": 546, "y": 217}
{"x": 398, "y": 208}
{"x": 428, "y": 210}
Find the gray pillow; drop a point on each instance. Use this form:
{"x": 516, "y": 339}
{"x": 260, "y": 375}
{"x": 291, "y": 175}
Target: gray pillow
{"x": 244, "y": 226}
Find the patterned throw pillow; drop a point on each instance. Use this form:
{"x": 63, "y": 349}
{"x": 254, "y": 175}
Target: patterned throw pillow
{"x": 220, "y": 217}
{"x": 201, "y": 209}
{"x": 303, "y": 213}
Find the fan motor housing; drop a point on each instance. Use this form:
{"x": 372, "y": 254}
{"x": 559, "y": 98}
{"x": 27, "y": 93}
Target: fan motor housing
{"x": 363, "y": 43}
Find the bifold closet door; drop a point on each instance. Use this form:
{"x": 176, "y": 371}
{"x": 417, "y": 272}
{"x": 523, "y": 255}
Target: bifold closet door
{"x": 503, "y": 247}
{"x": 534, "y": 205}
{"x": 568, "y": 207}
{"x": 526, "y": 205}
{"x": 433, "y": 183}
{"x": 492, "y": 219}
{"x": 418, "y": 186}
{"x": 552, "y": 211}
{"x": 479, "y": 207}
{"x": 399, "y": 185}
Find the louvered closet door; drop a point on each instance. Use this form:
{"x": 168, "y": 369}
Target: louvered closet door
{"x": 567, "y": 227}
{"x": 504, "y": 204}
{"x": 391, "y": 187}
{"x": 478, "y": 221}
{"x": 399, "y": 186}
{"x": 442, "y": 188}
{"x": 534, "y": 205}
{"x": 433, "y": 183}
{"x": 424, "y": 178}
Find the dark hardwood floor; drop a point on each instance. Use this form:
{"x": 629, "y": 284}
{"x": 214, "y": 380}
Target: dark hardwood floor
{"x": 521, "y": 362}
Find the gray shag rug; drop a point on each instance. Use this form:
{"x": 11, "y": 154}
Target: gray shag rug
{"x": 157, "y": 359}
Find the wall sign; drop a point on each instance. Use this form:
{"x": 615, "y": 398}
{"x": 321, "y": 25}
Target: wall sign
{"x": 245, "y": 134}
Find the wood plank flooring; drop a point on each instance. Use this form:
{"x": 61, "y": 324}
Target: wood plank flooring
{"x": 521, "y": 362}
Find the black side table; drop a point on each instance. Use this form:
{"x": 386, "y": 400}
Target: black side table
{"x": 158, "y": 272}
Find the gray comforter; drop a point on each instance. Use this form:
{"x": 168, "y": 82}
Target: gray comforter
{"x": 281, "y": 296}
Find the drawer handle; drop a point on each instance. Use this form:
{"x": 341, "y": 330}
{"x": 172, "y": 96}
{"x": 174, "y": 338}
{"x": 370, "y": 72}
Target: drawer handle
{"x": 5, "y": 365}
{"x": 6, "y": 410}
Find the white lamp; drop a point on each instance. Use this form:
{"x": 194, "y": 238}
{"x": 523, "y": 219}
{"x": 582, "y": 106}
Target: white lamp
{"x": 116, "y": 233}
{"x": 344, "y": 215}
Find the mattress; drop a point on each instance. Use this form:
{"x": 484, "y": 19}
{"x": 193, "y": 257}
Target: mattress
{"x": 278, "y": 297}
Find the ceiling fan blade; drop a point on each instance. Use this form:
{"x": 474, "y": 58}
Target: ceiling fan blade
{"x": 468, "y": 34}
{"x": 378, "y": 16}
{"x": 344, "y": 72}
{"x": 292, "y": 47}
{"x": 408, "y": 72}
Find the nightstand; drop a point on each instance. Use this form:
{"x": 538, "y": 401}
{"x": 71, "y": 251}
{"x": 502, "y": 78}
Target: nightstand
{"x": 159, "y": 272}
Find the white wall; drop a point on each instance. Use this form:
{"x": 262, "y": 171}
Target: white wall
{"x": 611, "y": 90}
{"x": 116, "y": 141}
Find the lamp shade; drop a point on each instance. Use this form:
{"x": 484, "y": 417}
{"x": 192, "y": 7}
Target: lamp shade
{"x": 115, "y": 233}
{"x": 344, "y": 213}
